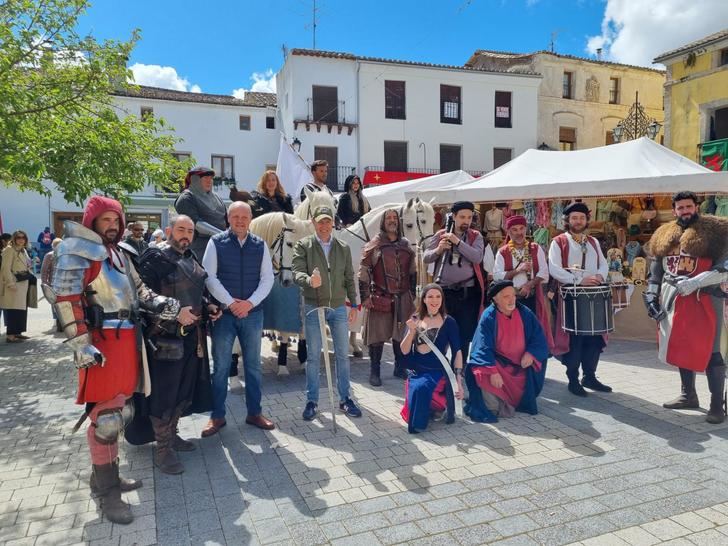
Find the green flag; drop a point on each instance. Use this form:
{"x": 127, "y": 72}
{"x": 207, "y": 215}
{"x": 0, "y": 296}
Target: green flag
{"x": 714, "y": 155}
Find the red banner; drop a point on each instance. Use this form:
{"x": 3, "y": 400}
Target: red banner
{"x": 377, "y": 178}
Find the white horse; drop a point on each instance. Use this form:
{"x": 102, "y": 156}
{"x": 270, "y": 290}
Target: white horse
{"x": 314, "y": 199}
{"x": 418, "y": 224}
{"x": 280, "y": 231}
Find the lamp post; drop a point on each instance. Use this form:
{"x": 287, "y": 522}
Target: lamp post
{"x": 296, "y": 145}
{"x": 636, "y": 124}
{"x": 424, "y": 151}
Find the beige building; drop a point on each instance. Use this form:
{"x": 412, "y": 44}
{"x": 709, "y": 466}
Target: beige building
{"x": 580, "y": 100}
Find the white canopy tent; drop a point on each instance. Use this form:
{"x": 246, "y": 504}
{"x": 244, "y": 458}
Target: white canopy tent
{"x": 395, "y": 193}
{"x": 636, "y": 167}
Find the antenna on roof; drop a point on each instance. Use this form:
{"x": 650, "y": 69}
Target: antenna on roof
{"x": 313, "y": 14}
{"x": 552, "y": 44}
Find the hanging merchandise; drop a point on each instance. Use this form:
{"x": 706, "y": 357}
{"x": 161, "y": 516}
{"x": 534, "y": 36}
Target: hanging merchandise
{"x": 604, "y": 210}
{"x": 542, "y": 237}
{"x": 529, "y": 211}
{"x": 557, "y": 214}
{"x": 620, "y": 236}
{"x": 708, "y": 205}
{"x": 543, "y": 213}
{"x": 516, "y": 207}
{"x": 721, "y": 205}
{"x": 632, "y": 249}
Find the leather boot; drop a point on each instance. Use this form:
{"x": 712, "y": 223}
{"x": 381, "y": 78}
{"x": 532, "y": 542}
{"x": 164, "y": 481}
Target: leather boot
{"x": 575, "y": 387}
{"x": 688, "y": 398}
{"x": 106, "y": 478}
{"x": 125, "y": 484}
{"x": 716, "y": 384}
{"x": 179, "y": 443}
{"x": 375, "y": 356}
{"x": 165, "y": 457}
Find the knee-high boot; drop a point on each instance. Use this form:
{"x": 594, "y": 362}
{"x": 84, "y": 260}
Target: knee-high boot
{"x": 716, "y": 383}
{"x": 106, "y": 479}
{"x": 165, "y": 457}
{"x": 688, "y": 398}
{"x": 375, "y": 357}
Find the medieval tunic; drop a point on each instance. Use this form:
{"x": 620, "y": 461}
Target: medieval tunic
{"x": 498, "y": 346}
{"x": 428, "y": 389}
{"x": 207, "y": 208}
{"x": 386, "y": 269}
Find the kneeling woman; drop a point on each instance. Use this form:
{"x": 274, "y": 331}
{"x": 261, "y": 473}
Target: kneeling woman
{"x": 507, "y": 361}
{"x": 428, "y": 389}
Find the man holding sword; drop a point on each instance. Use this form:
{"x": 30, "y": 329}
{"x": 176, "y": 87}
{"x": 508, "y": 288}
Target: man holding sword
{"x": 322, "y": 268}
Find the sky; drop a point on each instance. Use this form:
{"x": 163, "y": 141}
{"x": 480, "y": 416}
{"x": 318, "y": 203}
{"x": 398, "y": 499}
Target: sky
{"x": 230, "y": 46}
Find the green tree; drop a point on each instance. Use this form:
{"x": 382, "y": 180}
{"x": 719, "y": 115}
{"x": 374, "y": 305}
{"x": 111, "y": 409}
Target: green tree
{"x": 58, "y": 118}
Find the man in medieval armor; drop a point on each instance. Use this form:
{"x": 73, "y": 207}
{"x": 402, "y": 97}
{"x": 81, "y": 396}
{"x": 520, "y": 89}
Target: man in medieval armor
{"x": 98, "y": 297}
{"x": 204, "y": 206}
{"x": 387, "y": 279}
{"x": 178, "y": 361}
{"x": 690, "y": 261}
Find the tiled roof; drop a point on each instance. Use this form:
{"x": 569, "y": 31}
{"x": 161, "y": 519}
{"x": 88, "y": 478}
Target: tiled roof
{"x": 512, "y": 56}
{"x": 723, "y": 34}
{"x": 254, "y": 99}
{"x": 352, "y": 57}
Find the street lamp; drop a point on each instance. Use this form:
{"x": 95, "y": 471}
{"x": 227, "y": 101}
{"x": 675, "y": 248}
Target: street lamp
{"x": 424, "y": 151}
{"x": 617, "y": 132}
{"x": 653, "y": 128}
{"x": 296, "y": 145}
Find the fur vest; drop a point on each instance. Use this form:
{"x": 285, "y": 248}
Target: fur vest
{"x": 706, "y": 237}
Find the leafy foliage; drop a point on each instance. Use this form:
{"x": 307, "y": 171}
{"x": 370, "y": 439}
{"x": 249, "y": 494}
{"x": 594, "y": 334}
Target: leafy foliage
{"x": 58, "y": 118}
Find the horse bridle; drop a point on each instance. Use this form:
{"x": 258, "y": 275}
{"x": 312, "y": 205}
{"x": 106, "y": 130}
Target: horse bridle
{"x": 400, "y": 212}
{"x": 277, "y": 247}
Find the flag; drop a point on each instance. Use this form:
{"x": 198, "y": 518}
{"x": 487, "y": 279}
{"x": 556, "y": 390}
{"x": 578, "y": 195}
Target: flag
{"x": 377, "y": 178}
{"x": 293, "y": 171}
{"x": 714, "y": 155}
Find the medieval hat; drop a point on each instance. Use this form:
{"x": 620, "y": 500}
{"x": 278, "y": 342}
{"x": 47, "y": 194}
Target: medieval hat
{"x": 515, "y": 220}
{"x": 462, "y": 205}
{"x": 497, "y": 286}
{"x": 576, "y": 207}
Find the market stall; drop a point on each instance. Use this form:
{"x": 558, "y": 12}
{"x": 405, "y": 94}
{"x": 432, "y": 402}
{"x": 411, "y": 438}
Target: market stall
{"x": 626, "y": 186}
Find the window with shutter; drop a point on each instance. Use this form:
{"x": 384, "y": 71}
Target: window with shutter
{"x": 395, "y": 156}
{"x": 450, "y": 104}
{"x": 503, "y": 109}
{"x": 325, "y": 103}
{"x": 450, "y": 158}
{"x": 394, "y": 100}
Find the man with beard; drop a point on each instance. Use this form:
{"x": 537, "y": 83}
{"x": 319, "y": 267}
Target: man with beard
{"x": 690, "y": 261}
{"x": 386, "y": 284}
{"x": 97, "y": 295}
{"x": 458, "y": 254}
{"x": 524, "y": 263}
{"x": 204, "y": 206}
{"x": 179, "y": 364}
{"x": 575, "y": 247}
{"x": 320, "y": 172}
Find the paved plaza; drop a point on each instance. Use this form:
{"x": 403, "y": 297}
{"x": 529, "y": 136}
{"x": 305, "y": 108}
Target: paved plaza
{"x": 609, "y": 469}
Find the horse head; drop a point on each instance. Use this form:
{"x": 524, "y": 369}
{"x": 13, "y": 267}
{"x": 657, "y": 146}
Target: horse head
{"x": 418, "y": 220}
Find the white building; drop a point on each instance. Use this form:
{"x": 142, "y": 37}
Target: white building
{"x": 237, "y": 138}
{"x": 381, "y": 116}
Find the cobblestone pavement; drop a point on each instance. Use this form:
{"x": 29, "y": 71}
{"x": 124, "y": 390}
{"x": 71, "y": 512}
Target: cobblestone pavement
{"x": 609, "y": 469}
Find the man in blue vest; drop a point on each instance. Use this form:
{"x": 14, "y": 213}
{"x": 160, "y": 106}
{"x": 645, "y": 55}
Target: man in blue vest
{"x": 240, "y": 276}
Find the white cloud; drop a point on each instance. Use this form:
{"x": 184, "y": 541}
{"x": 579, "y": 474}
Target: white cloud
{"x": 636, "y": 31}
{"x": 162, "y": 76}
{"x": 262, "y": 81}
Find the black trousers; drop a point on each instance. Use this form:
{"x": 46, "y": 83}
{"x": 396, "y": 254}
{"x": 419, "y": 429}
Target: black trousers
{"x": 584, "y": 351}
{"x": 463, "y": 305}
{"x": 16, "y": 321}
{"x": 529, "y": 302}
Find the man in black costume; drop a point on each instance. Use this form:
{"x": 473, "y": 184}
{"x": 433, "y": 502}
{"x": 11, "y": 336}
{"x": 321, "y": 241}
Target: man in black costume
{"x": 178, "y": 359}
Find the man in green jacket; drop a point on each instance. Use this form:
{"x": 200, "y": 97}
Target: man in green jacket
{"x": 322, "y": 268}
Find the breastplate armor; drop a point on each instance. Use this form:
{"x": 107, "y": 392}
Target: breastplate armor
{"x": 681, "y": 265}
{"x": 112, "y": 289}
{"x": 186, "y": 283}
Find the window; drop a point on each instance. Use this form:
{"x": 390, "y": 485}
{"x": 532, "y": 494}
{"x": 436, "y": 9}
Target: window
{"x": 613, "y": 90}
{"x": 394, "y": 100}
{"x": 325, "y": 103}
{"x": 181, "y": 156}
{"x": 501, "y": 156}
{"x": 270, "y": 122}
{"x": 723, "y": 57}
{"x": 609, "y": 138}
{"x": 450, "y": 158}
{"x": 395, "y": 156}
{"x": 568, "y": 85}
{"x": 147, "y": 111}
{"x": 223, "y": 166}
{"x": 503, "y": 109}
{"x": 567, "y": 138}
{"x": 450, "y": 104}
{"x": 245, "y": 123}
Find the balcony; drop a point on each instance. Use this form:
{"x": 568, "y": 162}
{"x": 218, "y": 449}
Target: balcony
{"x": 331, "y": 114}
{"x": 713, "y": 154}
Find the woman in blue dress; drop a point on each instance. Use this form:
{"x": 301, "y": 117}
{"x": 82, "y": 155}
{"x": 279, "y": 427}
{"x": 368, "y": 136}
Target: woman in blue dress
{"x": 427, "y": 389}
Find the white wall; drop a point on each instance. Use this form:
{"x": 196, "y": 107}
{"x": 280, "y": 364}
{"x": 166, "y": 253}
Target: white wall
{"x": 477, "y": 134}
{"x": 294, "y": 86}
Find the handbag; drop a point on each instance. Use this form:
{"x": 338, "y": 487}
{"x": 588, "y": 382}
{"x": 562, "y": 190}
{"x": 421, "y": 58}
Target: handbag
{"x": 381, "y": 303}
{"x": 168, "y": 349}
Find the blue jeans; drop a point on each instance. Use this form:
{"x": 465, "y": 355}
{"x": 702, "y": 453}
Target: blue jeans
{"x": 248, "y": 330}
{"x": 338, "y": 321}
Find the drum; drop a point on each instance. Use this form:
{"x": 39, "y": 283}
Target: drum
{"x": 587, "y": 310}
{"x": 619, "y": 295}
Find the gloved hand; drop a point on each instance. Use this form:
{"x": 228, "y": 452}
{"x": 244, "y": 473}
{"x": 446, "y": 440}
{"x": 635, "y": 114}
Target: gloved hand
{"x": 652, "y": 303}
{"x": 86, "y": 355}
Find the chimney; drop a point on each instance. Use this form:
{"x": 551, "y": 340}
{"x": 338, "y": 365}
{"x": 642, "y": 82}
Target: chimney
{"x": 599, "y": 54}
